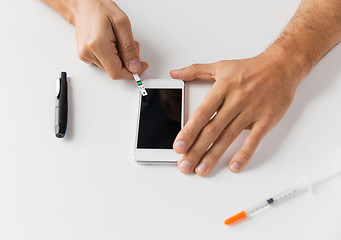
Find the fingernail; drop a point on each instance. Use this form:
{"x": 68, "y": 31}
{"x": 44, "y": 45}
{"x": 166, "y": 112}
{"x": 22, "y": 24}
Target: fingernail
{"x": 180, "y": 146}
{"x": 185, "y": 166}
{"x": 235, "y": 167}
{"x": 134, "y": 65}
{"x": 202, "y": 168}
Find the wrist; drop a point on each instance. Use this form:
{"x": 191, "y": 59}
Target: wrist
{"x": 67, "y": 9}
{"x": 80, "y": 8}
{"x": 293, "y": 63}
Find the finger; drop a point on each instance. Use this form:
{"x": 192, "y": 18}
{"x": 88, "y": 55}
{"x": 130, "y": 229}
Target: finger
{"x": 195, "y": 71}
{"x": 207, "y": 136}
{"x": 104, "y": 49}
{"x": 108, "y": 57}
{"x": 225, "y": 139}
{"x": 114, "y": 72}
{"x": 199, "y": 119}
{"x": 126, "y": 44}
{"x": 242, "y": 157}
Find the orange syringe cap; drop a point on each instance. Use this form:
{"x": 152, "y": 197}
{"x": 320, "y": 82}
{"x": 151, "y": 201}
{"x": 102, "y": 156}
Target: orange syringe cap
{"x": 236, "y": 218}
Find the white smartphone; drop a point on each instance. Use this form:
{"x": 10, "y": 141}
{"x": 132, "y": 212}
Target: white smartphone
{"x": 160, "y": 118}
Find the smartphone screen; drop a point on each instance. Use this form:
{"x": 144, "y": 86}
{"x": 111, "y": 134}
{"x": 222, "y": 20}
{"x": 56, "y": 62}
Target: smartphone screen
{"x": 160, "y": 118}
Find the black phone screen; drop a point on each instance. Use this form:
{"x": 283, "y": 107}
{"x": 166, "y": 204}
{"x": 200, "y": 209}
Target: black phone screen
{"x": 160, "y": 118}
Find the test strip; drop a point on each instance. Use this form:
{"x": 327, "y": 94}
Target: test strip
{"x": 140, "y": 85}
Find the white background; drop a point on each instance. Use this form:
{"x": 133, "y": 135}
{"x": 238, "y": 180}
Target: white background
{"x": 86, "y": 186}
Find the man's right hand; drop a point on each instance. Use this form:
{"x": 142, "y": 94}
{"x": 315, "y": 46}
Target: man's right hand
{"x": 104, "y": 37}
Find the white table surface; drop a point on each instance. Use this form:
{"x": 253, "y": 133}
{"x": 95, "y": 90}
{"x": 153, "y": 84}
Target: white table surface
{"x": 86, "y": 186}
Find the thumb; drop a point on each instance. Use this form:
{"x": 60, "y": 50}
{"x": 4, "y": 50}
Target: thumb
{"x": 195, "y": 71}
{"x": 130, "y": 55}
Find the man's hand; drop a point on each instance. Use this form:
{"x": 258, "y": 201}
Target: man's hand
{"x": 254, "y": 93}
{"x": 104, "y": 36}
{"x": 247, "y": 94}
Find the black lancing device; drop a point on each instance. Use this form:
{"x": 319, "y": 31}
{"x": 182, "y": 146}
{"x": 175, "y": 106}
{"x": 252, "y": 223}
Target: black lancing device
{"x": 61, "y": 109}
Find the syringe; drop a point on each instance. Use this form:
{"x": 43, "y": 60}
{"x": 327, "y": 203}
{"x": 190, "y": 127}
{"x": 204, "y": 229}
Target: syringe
{"x": 286, "y": 194}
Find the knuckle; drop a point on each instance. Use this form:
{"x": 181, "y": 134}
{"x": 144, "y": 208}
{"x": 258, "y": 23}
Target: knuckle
{"x": 196, "y": 152}
{"x": 82, "y": 58}
{"x": 227, "y": 136}
{"x": 244, "y": 156}
{"x": 269, "y": 116}
{"x": 195, "y": 66}
{"x": 128, "y": 47}
{"x": 187, "y": 133}
{"x": 92, "y": 43}
{"x": 121, "y": 20}
{"x": 211, "y": 130}
{"x": 200, "y": 114}
{"x": 212, "y": 157}
{"x": 242, "y": 94}
{"x": 114, "y": 75}
{"x": 236, "y": 101}
{"x": 220, "y": 64}
{"x": 219, "y": 92}
{"x": 253, "y": 142}
{"x": 83, "y": 54}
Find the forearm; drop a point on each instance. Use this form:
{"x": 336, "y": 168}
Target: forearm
{"x": 64, "y": 7}
{"x": 312, "y": 32}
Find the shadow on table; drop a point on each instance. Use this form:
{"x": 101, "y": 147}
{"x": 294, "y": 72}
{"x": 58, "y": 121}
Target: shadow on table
{"x": 70, "y": 118}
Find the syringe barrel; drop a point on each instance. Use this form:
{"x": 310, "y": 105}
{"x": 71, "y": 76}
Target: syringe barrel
{"x": 286, "y": 194}
{"x": 257, "y": 208}
{"x": 290, "y": 192}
